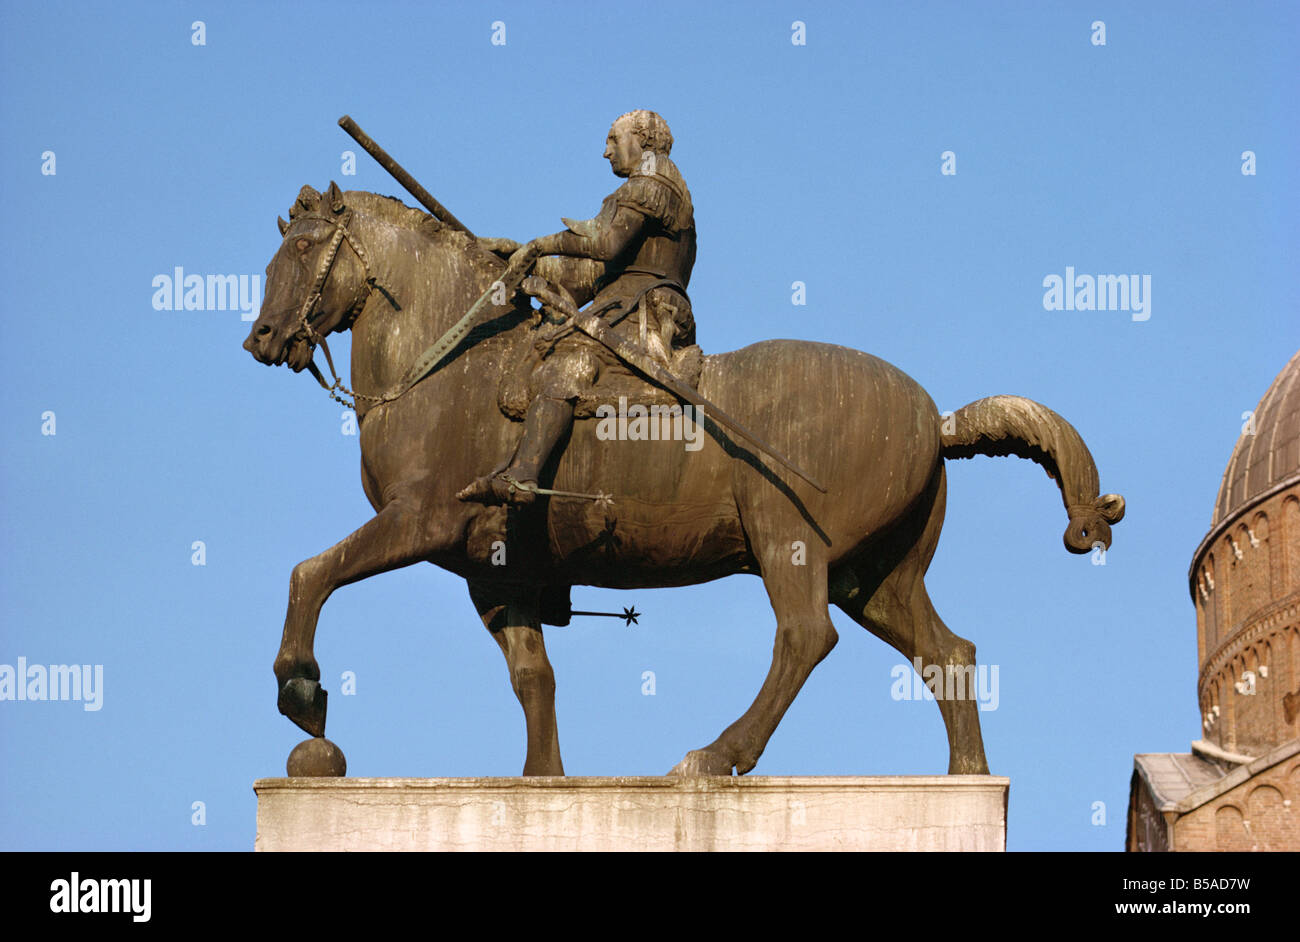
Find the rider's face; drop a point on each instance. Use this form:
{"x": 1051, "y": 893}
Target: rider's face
{"x": 622, "y": 149}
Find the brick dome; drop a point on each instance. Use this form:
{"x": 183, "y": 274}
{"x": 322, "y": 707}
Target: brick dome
{"x": 1270, "y": 457}
{"x": 1245, "y": 582}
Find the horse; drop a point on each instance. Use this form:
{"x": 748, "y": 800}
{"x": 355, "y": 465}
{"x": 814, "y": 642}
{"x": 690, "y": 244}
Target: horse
{"x": 664, "y": 515}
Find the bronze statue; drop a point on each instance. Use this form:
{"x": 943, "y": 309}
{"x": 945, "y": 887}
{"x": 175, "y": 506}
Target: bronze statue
{"x": 851, "y": 517}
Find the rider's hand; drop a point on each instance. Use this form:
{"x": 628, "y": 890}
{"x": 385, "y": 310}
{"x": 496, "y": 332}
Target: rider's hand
{"x": 502, "y": 247}
{"x": 520, "y": 262}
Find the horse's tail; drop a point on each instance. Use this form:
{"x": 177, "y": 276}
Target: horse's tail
{"x": 1010, "y": 425}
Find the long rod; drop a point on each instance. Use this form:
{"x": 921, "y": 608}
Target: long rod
{"x": 401, "y": 176}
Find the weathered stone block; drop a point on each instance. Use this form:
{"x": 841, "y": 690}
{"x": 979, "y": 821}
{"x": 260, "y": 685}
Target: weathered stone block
{"x": 764, "y": 813}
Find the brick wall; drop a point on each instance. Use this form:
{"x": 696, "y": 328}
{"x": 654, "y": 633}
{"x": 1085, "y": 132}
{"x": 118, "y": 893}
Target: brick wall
{"x": 1260, "y": 814}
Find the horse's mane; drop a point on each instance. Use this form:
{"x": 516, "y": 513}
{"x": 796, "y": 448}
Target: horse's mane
{"x": 393, "y": 210}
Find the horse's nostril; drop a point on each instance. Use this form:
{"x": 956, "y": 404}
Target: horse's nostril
{"x": 264, "y": 330}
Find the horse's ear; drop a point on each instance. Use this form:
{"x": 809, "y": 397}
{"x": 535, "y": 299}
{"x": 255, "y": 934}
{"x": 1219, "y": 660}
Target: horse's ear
{"x": 308, "y": 199}
{"x": 335, "y": 196}
{"x": 284, "y": 226}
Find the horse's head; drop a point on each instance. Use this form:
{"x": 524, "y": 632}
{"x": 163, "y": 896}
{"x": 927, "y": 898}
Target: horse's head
{"x": 315, "y": 284}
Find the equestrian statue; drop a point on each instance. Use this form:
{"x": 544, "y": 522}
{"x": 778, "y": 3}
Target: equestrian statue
{"x": 487, "y": 377}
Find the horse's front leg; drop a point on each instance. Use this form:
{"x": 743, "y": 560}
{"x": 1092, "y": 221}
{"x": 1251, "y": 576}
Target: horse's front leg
{"x": 397, "y": 536}
{"x": 513, "y": 615}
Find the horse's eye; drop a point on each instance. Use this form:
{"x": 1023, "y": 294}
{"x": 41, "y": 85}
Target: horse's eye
{"x": 303, "y": 244}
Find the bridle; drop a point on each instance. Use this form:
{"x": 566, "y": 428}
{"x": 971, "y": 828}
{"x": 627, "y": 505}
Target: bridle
{"x": 307, "y": 313}
{"x": 427, "y": 360}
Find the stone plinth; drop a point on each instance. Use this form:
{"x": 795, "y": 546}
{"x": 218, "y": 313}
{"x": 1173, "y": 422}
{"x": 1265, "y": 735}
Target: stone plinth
{"x": 760, "y": 813}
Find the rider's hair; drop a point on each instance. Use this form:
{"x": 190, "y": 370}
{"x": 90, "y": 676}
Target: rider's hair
{"x": 650, "y": 129}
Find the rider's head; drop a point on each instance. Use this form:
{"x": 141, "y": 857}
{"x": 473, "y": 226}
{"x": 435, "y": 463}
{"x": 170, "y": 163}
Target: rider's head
{"x": 631, "y": 135}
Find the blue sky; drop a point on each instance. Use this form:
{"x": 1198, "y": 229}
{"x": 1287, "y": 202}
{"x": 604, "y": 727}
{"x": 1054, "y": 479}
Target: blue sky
{"x": 818, "y": 163}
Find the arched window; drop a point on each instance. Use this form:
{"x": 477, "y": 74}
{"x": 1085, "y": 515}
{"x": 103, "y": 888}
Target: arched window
{"x": 1211, "y": 599}
{"x": 1232, "y": 706}
{"x": 1291, "y": 542}
{"x": 1270, "y": 702}
{"x": 1230, "y": 829}
{"x": 1224, "y": 587}
{"x": 1267, "y": 815}
{"x": 1245, "y": 579}
{"x": 1263, "y": 556}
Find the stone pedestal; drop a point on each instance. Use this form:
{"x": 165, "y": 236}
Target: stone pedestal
{"x": 764, "y": 813}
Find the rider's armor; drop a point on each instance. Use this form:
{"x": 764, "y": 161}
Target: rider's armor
{"x": 661, "y": 261}
{"x": 640, "y": 294}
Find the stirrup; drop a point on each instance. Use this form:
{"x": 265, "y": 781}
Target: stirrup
{"x": 529, "y": 487}
{"x": 497, "y": 489}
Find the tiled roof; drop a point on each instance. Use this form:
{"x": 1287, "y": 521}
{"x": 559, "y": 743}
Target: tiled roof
{"x": 1172, "y": 776}
{"x": 1182, "y": 782}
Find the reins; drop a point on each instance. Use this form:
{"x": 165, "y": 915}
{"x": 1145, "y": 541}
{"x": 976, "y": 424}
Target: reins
{"x": 427, "y": 360}
{"x": 337, "y": 390}
{"x": 340, "y": 393}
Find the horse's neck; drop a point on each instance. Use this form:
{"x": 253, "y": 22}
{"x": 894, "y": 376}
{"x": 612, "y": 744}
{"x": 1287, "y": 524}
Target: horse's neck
{"x": 427, "y": 286}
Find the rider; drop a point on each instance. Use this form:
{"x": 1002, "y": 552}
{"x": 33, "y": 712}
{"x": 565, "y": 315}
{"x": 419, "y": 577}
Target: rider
{"x": 645, "y": 236}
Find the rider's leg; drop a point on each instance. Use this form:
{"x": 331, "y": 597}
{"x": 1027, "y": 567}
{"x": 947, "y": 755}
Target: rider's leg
{"x": 545, "y": 424}
{"x": 549, "y": 417}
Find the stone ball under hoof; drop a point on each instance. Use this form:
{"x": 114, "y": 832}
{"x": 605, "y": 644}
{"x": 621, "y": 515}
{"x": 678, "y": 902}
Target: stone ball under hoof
{"x": 315, "y": 758}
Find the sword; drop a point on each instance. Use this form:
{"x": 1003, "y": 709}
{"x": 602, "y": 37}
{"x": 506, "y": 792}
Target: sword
{"x": 639, "y": 359}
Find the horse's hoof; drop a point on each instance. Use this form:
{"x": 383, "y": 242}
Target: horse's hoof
{"x": 316, "y": 758}
{"x": 702, "y": 762}
{"x": 304, "y": 702}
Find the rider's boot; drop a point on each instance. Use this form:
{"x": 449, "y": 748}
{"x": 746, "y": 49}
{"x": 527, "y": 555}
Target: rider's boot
{"x": 544, "y": 425}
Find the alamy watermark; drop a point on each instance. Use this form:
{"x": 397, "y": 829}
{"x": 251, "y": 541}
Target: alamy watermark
{"x": 83, "y": 682}
{"x": 656, "y": 423}
{"x": 181, "y": 292}
{"x": 1098, "y": 293}
{"x": 921, "y": 681}
{"x": 79, "y": 895}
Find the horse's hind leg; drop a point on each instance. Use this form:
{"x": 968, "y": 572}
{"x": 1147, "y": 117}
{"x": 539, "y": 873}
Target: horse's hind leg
{"x": 515, "y": 623}
{"x": 795, "y": 580}
{"x": 396, "y": 536}
{"x": 959, "y": 703}
{"x": 892, "y": 603}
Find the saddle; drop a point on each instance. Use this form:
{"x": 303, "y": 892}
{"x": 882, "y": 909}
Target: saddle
{"x": 616, "y": 379}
